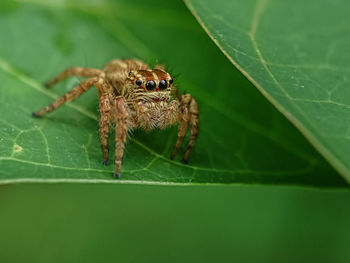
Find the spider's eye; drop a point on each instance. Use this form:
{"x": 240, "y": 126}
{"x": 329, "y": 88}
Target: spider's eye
{"x": 130, "y": 74}
{"x": 150, "y": 85}
{"x": 171, "y": 81}
{"x": 138, "y": 82}
{"x": 163, "y": 84}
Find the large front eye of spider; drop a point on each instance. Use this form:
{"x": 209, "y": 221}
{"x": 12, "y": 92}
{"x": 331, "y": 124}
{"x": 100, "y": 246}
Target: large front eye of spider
{"x": 138, "y": 82}
{"x": 163, "y": 84}
{"x": 150, "y": 85}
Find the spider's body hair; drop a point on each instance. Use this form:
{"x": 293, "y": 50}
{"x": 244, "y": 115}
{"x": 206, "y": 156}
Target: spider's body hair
{"x": 148, "y": 109}
{"x": 132, "y": 95}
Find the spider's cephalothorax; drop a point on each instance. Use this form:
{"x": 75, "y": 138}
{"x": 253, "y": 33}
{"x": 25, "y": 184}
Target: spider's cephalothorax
{"x": 133, "y": 95}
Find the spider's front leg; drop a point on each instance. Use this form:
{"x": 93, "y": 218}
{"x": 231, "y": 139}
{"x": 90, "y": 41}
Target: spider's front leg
{"x": 121, "y": 132}
{"x": 189, "y": 114}
{"x": 72, "y": 95}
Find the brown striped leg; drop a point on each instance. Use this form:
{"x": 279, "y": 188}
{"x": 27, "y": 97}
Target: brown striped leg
{"x": 105, "y": 109}
{"x": 69, "y": 96}
{"x": 183, "y": 125}
{"x": 194, "y": 127}
{"x": 121, "y": 130}
{"x": 77, "y": 71}
{"x": 181, "y": 132}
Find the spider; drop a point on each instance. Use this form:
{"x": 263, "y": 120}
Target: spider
{"x": 132, "y": 95}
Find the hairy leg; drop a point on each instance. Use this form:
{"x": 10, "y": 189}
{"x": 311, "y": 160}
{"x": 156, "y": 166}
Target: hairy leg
{"x": 181, "y": 132}
{"x": 189, "y": 114}
{"x": 105, "y": 116}
{"x": 71, "y": 95}
{"x": 121, "y": 130}
{"x": 76, "y": 71}
{"x": 194, "y": 127}
{"x": 183, "y": 125}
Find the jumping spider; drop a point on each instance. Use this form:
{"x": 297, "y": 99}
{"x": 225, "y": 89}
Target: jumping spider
{"x": 132, "y": 95}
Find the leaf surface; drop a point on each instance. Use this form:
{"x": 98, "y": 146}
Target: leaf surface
{"x": 243, "y": 139}
{"x": 297, "y": 53}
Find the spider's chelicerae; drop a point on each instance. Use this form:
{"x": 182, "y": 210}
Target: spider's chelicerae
{"x": 133, "y": 95}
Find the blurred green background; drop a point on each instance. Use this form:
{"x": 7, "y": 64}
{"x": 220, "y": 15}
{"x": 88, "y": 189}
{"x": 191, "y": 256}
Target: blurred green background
{"x": 129, "y": 223}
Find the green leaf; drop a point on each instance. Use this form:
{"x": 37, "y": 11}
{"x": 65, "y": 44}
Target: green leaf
{"x": 297, "y": 53}
{"x": 243, "y": 139}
